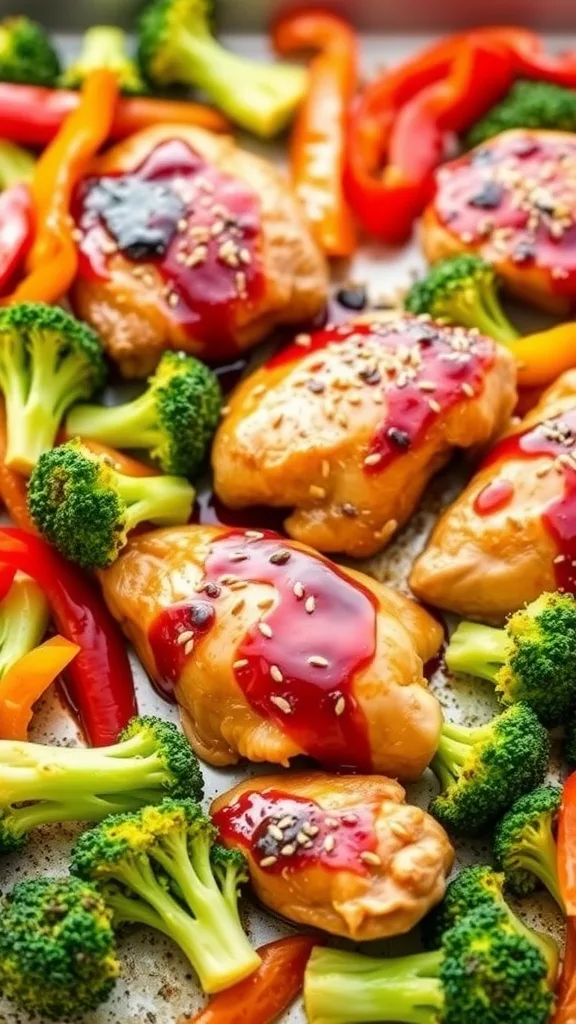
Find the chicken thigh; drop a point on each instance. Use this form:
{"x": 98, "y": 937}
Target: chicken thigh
{"x": 348, "y": 425}
{"x": 513, "y": 201}
{"x": 344, "y": 853}
{"x": 272, "y": 651}
{"x": 511, "y": 535}
{"x": 188, "y": 242}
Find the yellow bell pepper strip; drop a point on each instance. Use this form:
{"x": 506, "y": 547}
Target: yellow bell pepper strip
{"x": 27, "y": 680}
{"x": 543, "y": 356}
{"x": 53, "y": 260}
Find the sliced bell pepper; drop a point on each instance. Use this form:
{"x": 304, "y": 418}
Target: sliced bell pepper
{"x": 266, "y": 994}
{"x": 543, "y": 356}
{"x": 566, "y": 993}
{"x": 26, "y": 681}
{"x": 318, "y": 140}
{"x": 566, "y": 843}
{"x": 16, "y": 232}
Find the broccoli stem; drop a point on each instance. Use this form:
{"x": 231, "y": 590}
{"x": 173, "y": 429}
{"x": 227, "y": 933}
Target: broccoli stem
{"x": 159, "y": 499}
{"x": 131, "y": 425}
{"x": 16, "y": 164}
{"x": 490, "y": 318}
{"x": 21, "y": 820}
{"x": 477, "y": 650}
{"x": 24, "y": 617}
{"x": 103, "y": 46}
{"x": 342, "y": 988}
{"x": 539, "y": 856}
{"x": 454, "y": 749}
{"x": 131, "y": 910}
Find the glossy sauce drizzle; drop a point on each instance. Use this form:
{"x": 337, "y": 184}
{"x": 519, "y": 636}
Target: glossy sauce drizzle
{"x": 286, "y": 833}
{"x": 555, "y": 437}
{"x": 415, "y": 369}
{"x": 197, "y": 226}
{"x": 297, "y": 665}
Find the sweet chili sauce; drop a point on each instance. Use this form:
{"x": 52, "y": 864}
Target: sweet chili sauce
{"x": 515, "y": 199}
{"x": 196, "y": 225}
{"x": 297, "y": 665}
{"x": 555, "y": 437}
{"x": 288, "y": 833}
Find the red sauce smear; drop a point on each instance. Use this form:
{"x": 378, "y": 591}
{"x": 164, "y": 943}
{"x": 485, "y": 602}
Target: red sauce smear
{"x": 515, "y": 198}
{"x": 493, "y": 497}
{"x": 297, "y": 666}
{"x": 555, "y": 437}
{"x": 421, "y": 369}
{"x": 212, "y": 262}
{"x": 310, "y": 836}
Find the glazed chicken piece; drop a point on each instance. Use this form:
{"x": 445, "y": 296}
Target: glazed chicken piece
{"x": 188, "y": 242}
{"x": 511, "y": 535}
{"x": 342, "y": 853}
{"x": 272, "y": 651}
{"x": 512, "y": 200}
{"x": 349, "y": 424}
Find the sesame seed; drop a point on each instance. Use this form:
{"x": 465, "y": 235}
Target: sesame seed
{"x": 318, "y": 661}
{"x": 298, "y": 590}
{"x": 266, "y": 603}
{"x": 185, "y": 637}
{"x": 238, "y": 585}
{"x": 304, "y": 340}
{"x": 265, "y": 630}
{"x": 259, "y": 390}
{"x": 254, "y": 535}
{"x": 426, "y": 385}
{"x": 238, "y": 556}
{"x": 434, "y": 405}
{"x": 331, "y": 822}
{"x": 224, "y": 410}
{"x": 278, "y": 419}
{"x": 310, "y": 830}
{"x": 325, "y": 468}
{"x": 373, "y": 459}
{"x": 280, "y": 557}
{"x": 340, "y": 706}
{"x": 238, "y": 606}
{"x": 286, "y": 821}
{"x": 302, "y": 839}
{"x": 350, "y": 819}
{"x": 282, "y": 704}
{"x": 349, "y": 509}
{"x": 276, "y": 674}
{"x": 173, "y": 300}
{"x": 288, "y": 850}
{"x": 468, "y": 389}
{"x": 399, "y": 830}
{"x": 370, "y": 858}
{"x": 267, "y": 862}
{"x": 275, "y": 832}
{"x": 316, "y": 492}
{"x": 310, "y": 604}
{"x": 329, "y": 844}
{"x": 227, "y": 580}
{"x": 241, "y": 663}
{"x": 189, "y": 647}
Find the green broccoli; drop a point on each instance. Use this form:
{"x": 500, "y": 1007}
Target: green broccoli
{"x": 525, "y": 845}
{"x": 24, "y": 617}
{"x": 104, "y": 46}
{"x": 48, "y": 361}
{"x": 176, "y": 46}
{"x": 527, "y": 105}
{"x": 26, "y": 53}
{"x": 162, "y": 867}
{"x": 174, "y": 419}
{"x": 570, "y": 740}
{"x": 83, "y": 506}
{"x": 483, "y": 770}
{"x": 533, "y": 659}
{"x": 16, "y": 164}
{"x": 462, "y": 289}
{"x": 41, "y": 784}
{"x": 57, "y": 948}
{"x": 480, "y": 886}
{"x": 485, "y": 971}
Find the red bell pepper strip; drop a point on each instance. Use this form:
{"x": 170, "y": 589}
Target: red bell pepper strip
{"x": 566, "y": 993}
{"x": 566, "y": 842}
{"x": 32, "y": 115}
{"x": 261, "y": 998}
{"x": 99, "y": 679}
{"x": 16, "y": 232}
{"x": 318, "y": 140}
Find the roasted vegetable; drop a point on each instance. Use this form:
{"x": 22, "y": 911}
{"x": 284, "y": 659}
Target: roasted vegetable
{"x": 525, "y": 843}
{"x": 527, "y": 105}
{"x": 24, "y": 617}
{"x": 16, "y": 164}
{"x": 26, "y": 53}
{"x": 104, "y": 46}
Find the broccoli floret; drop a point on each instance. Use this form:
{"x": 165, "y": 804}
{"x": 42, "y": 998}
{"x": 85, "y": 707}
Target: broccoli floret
{"x": 570, "y": 741}
{"x": 162, "y": 867}
{"x": 483, "y": 770}
{"x": 463, "y": 290}
{"x": 527, "y": 105}
{"x": 41, "y": 784}
{"x": 83, "y": 506}
{"x": 26, "y": 53}
{"x": 24, "y": 617}
{"x": 104, "y": 46}
{"x": 16, "y": 164}
{"x": 57, "y": 950}
{"x": 176, "y": 46}
{"x": 485, "y": 971}
{"x": 525, "y": 845}
{"x": 532, "y": 659}
{"x": 475, "y": 887}
{"x": 48, "y": 361}
{"x": 174, "y": 419}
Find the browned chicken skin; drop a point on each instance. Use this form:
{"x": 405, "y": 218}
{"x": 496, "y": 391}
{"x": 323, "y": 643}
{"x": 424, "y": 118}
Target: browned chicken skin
{"x": 496, "y": 547}
{"x": 342, "y": 853}
{"x": 348, "y": 426}
{"x": 512, "y": 201}
{"x": 188, "y": 242}
{"x": 273, "y": 652}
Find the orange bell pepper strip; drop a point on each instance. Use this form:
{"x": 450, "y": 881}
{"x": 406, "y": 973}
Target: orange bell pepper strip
{"x": 266, "y": 994}
{"x": 566, "y": 845}
{"x": 318, "y": 141}
{"x": 566, "y": 992}
{"x": 543, "y": 356}
{"x": 26, "y": 681}
{"x": 53, "y": 260}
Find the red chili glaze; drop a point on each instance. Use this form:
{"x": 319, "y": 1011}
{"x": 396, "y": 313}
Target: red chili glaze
{"x": 555, "y": 437}
{"x": 421, "y": 369}
{"x": 311, "y": 836}
{"x": 297, "y": 665}
{"x": 493, "y": 497}
{"x": 200, "y": 229}
{"x": 516, "y": 199}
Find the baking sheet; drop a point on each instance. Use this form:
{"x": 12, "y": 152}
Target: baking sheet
{"x": 157, "y": 985}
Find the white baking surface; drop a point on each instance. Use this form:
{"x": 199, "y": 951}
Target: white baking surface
{"x": 157, "y": 985}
